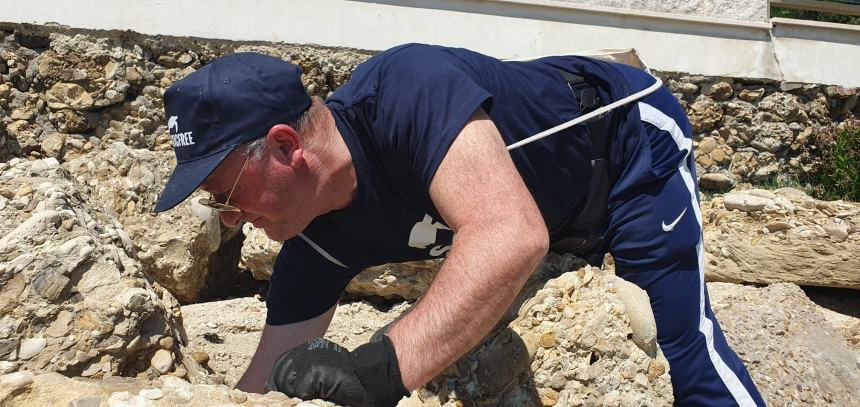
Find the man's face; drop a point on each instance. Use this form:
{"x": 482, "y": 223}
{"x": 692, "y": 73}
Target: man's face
{"x": 266, "y": 193}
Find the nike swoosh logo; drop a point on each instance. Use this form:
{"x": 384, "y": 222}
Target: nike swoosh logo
{"x": 670, "y": 227}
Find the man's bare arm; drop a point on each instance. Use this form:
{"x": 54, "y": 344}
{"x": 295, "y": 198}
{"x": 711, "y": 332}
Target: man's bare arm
{"x": 274, "y": 341}
{"x": 500, "y": 237}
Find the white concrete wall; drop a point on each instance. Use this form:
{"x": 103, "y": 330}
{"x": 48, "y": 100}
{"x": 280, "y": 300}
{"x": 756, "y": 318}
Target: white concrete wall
{"x": 745, "y": 10}
{"x": 817, "y": 52}
{"x": 502, "y": 28}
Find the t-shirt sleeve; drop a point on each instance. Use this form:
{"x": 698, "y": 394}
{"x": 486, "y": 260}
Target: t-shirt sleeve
{"x": 425, "y": 97}
{"x": 304, "y": 284}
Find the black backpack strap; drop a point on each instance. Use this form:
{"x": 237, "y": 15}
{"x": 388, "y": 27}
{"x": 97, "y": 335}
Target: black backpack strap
{"x": 583, "y": 234}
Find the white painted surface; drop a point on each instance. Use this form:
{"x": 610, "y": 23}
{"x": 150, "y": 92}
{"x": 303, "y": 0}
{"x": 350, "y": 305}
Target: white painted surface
{"x": 746, "y": 10}
{"x": 502, "y": 28}
{"x": 816, "y": 52}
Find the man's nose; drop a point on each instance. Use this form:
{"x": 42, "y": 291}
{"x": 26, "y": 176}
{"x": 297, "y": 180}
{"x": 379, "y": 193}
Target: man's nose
{"x": 231, "y": 219}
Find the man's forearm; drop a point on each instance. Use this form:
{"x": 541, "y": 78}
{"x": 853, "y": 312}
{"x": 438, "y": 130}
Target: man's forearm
{"x": 481, "y": 277}
{"x": 275, "y": 340}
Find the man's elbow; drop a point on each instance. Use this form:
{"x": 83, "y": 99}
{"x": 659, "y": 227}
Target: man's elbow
{"x": 539, "y": 244}
{"x": 533, "y": 239}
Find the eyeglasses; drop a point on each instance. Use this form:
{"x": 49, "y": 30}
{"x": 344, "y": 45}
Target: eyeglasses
{"x": 225, "y": 207}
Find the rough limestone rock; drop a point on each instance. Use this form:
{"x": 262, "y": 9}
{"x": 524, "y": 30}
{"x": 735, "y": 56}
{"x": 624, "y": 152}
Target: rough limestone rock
{"x": 716, "y": 181}
{"x": 52, "y": 389}
{"x": 759, "y": 236}
{"x": 323, "y": 70}
{"x": 258, "y": 252}
{"x": 794, "y": 356}
{"x": 9, "y": 147}
{"x": 704, "y": 114}
{"x": 73, "y": 297}
{"x": 841, "y": 308}
{"x": 568, "y": 345}
{"x": 174, "y": 247}
{"x": 95, "y": 66}
{"x": 400, "y": 281}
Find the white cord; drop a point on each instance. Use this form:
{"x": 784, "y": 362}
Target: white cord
{"x": 638, "y": 95}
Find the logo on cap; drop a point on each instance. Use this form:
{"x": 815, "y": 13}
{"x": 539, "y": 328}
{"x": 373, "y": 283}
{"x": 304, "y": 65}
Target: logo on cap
{"x": 179, "y": 139}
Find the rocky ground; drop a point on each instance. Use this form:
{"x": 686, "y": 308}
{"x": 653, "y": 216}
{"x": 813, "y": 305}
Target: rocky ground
{"x": 103, "y": 303}
{"x": 228, "y": 331}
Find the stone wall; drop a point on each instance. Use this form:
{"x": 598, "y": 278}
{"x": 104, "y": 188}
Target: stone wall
{"x": 757, "y": 130}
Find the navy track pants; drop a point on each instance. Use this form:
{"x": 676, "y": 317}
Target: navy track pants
{"x": 655, "y": 237}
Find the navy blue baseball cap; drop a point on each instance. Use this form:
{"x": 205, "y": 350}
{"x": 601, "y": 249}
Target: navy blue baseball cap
{"x": 232, "y": 100}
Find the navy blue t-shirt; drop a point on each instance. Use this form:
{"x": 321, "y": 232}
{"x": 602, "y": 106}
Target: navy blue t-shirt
{"x": 398, "y": 115}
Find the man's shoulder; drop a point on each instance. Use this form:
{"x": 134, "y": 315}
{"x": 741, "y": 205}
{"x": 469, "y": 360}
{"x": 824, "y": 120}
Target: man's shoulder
{"x": 365, "y": 78}
{"x": 403, "y": 62}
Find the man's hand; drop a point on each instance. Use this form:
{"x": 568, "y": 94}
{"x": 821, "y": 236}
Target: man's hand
{"x": 366, "y": 377}
{"x": 274, "y": 341}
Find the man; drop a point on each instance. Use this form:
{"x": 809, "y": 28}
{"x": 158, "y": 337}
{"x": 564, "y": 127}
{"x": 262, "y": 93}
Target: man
{"x": 407, "y": 161}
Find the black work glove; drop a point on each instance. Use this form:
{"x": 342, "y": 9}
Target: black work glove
{"x": 366, "y": 377}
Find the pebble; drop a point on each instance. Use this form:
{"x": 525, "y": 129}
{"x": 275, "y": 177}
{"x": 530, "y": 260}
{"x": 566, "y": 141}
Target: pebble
{"x": 838, "y": 232}
{"x": 177, "y": 387}
{"x": 751, "y": 95}
{"x": 6, "y": 367}
{"x": 166, "y": 343}
{"x": 707, "y": 145}
{"x": 162, "y": 361}
{"x": 689, "y": 88}
{"x": 17, "y": 380}
{"x": 86, "y": 402}
{"x": 641, "y": 380}
{"x": 548, "y": 397}
{"x": 656, "y": 369}
{"x": 774, "y": 227}
{"x": 68, "y": 224}
{"x": 32, "y": 347}
{"x": 238, "y": 396}
{"x": 151, "y": 394}
{"x": 180, "y": 372}
{"x": 60, "y": 327}
{"x": 126, "y": 399}
{"x": 746, "y": 202}
{"x": 201, "y": 357}
{"x": 547, "y": 339}
{"x": 135, "y": 300}
{"x": 92, "y": 369}
{"x": 50, "y": 285}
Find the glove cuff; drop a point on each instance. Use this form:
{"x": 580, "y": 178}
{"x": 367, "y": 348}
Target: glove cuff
{"x": 376, "y": 365}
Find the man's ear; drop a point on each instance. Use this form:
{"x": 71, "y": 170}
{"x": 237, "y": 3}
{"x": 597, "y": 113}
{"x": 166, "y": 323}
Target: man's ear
{"x": 286, "y": 144}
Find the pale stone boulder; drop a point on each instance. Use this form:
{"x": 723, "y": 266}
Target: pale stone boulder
{"x": 83, "y": 74}
{"x": 396, "y": 281}
{"x": 68, "y": 96}
{"x": 258, "y": 252}
{"x": 759, "y": 236}
{"x": 52, "y": 389}
{"x": 174, "y": 247}
{"x": 568, "y": 344}
{"x": 793, "y": 354}
{"x": 74, "y": 298}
